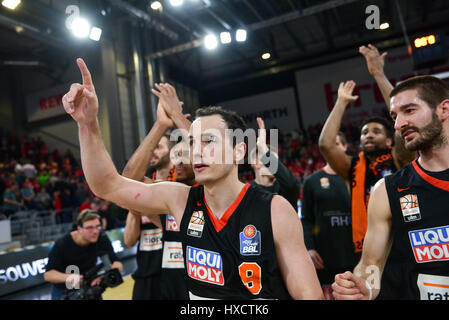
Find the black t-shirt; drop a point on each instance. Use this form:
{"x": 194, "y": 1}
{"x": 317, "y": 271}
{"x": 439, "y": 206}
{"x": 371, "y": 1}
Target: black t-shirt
{"x": 66, "y": 252}
{"x": 326, "y": 218}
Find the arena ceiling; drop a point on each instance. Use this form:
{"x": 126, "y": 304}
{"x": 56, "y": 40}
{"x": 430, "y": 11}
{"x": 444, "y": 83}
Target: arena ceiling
{"x": 297, "y": 33}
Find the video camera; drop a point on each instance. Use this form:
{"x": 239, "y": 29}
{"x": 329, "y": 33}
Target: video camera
{"x": 112, "y": 278}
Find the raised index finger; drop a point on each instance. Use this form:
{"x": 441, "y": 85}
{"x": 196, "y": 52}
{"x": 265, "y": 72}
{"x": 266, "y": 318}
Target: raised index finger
{"x": 85, "y": 74}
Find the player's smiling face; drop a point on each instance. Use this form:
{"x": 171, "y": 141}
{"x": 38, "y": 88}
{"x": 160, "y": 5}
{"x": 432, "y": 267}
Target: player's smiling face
{"x": 211, "y": 152}
{"x": 416, "y": 122}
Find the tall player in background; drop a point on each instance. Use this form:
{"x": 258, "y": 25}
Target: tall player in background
{"x": 408, "y": 210}
{"x": 326, "y": 217}
{"x": 270, "y": 261}
{"x": 149, "y": 276}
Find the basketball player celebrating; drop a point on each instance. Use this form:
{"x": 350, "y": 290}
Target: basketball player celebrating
{"x": 239, "y": 242}
{"x": 154, "y": 151}
{"x": 408, "y": 210}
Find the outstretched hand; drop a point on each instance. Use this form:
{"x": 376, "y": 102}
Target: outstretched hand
{"x": 261, "y": 142}
{"x": 81, "y": 101}
{"x": 168, "y": 98}
{"x": 345, "y": 92}
{"x": 374, "y": 60}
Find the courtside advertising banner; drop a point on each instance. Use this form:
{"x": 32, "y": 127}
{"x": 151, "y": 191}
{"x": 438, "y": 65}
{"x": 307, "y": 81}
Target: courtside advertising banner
{"x": 25, "y": 268}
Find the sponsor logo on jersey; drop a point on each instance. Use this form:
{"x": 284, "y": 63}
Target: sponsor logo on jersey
{"x": 410, "y": 207}
{"x": 170, "y": 223}
{"x": 196, "y": 224}
{"x": 250, "y": 241}
{"x": 433, "y": 287}
{"x": 204, "y": 265}
{"x": 325, "y": 184}
{"x": 150, "y": 240}
{"x": 172, "y": 257}
{"x": 430, "y": 245}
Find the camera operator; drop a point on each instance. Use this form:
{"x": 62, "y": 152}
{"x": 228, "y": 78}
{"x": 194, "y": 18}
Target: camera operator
{"x": 77, "y": 252}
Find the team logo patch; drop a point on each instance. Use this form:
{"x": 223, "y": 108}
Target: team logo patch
{"x": 410, "y": 207}
{"x": 204, "y": 265}
{"x": 196, "y": 224}
{"x": 325, "y": 184}
{"x": 170, "y": 223}
{"x": 250, "y": 241}
{"x": 430, "y": 245}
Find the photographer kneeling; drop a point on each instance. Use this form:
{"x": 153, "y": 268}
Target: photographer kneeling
{"x": 73, "y": 259}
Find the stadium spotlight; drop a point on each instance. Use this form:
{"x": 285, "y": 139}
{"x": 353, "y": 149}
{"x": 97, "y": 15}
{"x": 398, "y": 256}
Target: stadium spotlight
{"x": 210, "y": 41}
{"x": 225, "y": 37}
{"x": 176, "y": 3}
{"x": 80, "y": 27}
{"x": 156, "y": 5}
{"x": 240, "y": 35}
{"x": 10, "y": 4}
{"x": 384, "y": 26}
{"x": 95, "y": 33}
{"x": 266, "y": 56}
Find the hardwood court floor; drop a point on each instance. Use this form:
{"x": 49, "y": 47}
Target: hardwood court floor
{"x": 122, "y": 292}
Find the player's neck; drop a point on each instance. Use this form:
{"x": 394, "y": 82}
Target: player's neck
{"x": 263, "y": 180}
{"x": 219, "y": 196}
{"x": 328, "y": 169}
{"x": 435, "y": 159}
{"x": 76, "y": 237}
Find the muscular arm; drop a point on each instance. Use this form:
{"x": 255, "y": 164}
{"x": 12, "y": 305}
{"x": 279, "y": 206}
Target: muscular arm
{"x": 375, "y": 63}
{"x": 378, "y": 239}
{"x": 296, "y": 266}
{"x": 82, "y": 104}
{"x": 336, "y": 157}
{"x": 376, "y": 249}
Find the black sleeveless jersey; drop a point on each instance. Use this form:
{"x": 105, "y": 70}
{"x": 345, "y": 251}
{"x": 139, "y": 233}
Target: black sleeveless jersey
{"x": 174, "y": 277}
{"x": 234, "y": 257}
{"x": 419, "y": 202}
{"x": 149, "y": 250}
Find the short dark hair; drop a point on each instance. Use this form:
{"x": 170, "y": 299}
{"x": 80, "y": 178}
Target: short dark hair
{"x": 430, "y": 89}
{"x": 233, "y": 119}
{"x": 87, "y": 215}
{"x": 387, "y": 124}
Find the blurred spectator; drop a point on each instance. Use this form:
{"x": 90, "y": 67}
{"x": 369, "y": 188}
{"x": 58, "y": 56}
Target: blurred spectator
{"x": 29, "y": 170}
{"x": 11, "y": 203}
{"x": 28, "y": 194}
{"x": 43, "y": 200}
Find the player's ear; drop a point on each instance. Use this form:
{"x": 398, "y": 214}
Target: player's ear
{"x": 389, "y": 142}
{"x": 239, "y": 152}
{"x": 443, "y": 110}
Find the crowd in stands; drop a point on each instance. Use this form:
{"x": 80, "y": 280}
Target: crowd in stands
{"x": 33, "y": 178}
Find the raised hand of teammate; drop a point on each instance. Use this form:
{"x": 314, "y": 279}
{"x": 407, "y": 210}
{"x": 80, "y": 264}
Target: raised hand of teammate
{"x": 374, "y": 60}
{"x": 81, "y": 101}
{"x": 168, "y": 97}
{"x": 261, "y": 142}
{"x": 345, "y": 92}
{"x": 348, "y": 286}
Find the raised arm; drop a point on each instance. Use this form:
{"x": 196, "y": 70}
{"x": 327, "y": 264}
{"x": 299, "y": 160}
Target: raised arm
{"x": 336, "y": 157}
{"x": 101, "y": 175}
{"x": 294, "y": 261}
{"x": 376, "y": 248}
{"x": 375, "y": 63}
